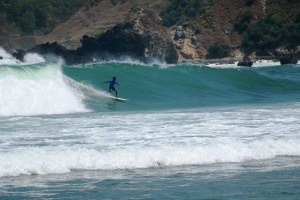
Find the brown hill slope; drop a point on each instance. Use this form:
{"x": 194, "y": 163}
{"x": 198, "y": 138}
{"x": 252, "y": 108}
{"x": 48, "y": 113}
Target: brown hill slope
{"x": 217, "y": 24}
{"x": 89, "y": 20}
{"x": 95, "y": 20}
{"x": 192, "y": 39}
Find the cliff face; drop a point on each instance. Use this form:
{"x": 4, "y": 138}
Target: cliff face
{"x": 134, "y": 28}
{"x": 227, "y": 22}
{"x": 143, "y": 38}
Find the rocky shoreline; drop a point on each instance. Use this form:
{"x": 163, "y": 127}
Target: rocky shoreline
{"x": 86, "y": 54}
{"x": 145, "y": 38}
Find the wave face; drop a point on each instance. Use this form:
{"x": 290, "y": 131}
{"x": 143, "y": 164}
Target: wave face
{"x": 187, "y": 86}
{"x": 57, "y": 89}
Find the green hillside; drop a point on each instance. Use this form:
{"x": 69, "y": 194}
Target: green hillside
{"x": 267, "y": 34}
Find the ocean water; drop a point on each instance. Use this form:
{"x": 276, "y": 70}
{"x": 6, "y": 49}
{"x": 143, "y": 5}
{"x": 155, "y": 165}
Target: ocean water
{"x": 186, "y": 131}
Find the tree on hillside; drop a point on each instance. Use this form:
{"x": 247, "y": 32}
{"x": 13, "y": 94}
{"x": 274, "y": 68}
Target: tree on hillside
{"x": 180, "y": 11}
{"x": 218, "y": 50}
{"x": 27, "y": 21}
{"x": 267, "y": 34}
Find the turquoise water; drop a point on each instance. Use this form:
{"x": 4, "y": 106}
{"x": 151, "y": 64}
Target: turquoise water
{"x": 186, "y": 132}
{"x": 188, "y": 86}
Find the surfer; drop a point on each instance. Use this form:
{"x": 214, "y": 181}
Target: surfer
{"x": 112, "y": 85}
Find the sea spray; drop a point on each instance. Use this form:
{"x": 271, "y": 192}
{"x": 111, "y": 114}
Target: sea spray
{"x": 7, "y": 59}
{"x": 29, "y": 59}
{"x": 33, "y": 58}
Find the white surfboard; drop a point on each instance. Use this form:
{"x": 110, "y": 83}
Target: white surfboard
{"x": 119, "y": 99}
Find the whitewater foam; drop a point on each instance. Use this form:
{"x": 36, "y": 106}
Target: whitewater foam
{"x": 33, "y": 160}
{"x": 110, "y": 141}
{"x": 7, "y": 59}
{"x": 29, "y": 58}
{"x": 33, "y": 58}
{"x": 264, "y": 63}
{"x": 90, "y": 89}
{"x": 36, "y": 91}
{"x": 125, "y": 60}
{"x": 258, "y": 63}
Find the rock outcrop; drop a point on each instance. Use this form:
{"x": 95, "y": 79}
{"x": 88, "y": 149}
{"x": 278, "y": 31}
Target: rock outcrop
{"x": 143, "y": 38}
{"x": 247, "y": 62}
{"x": 19, "y": 55}
{"x": 186, "y": 43}
{"x": 287, "y": 56}
{"x": 70, "y": 56}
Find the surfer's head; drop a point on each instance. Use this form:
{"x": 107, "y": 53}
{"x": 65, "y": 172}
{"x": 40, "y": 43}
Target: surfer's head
{"x": 114, "y": 78}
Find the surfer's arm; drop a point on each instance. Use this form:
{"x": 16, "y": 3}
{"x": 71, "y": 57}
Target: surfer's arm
{"x": 105, "y": 82}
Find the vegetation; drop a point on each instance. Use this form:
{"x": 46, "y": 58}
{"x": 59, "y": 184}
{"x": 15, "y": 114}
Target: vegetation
{"x": 31, "y": 15}
{"x": 180, "y": 11}
{"x": 114, "y": 2}
{"x": 218, "y": 50}
{"x": 267, "y": 34}
{"x": 249, "y": 2}
{"x": 243, "y": 22}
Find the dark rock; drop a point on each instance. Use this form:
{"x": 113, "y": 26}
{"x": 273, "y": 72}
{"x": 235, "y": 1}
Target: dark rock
{"x": 247, "y": 62}
{"x": 143, "y": 38}
{"x": 287, "y": 56}
{"x": 19, "y": 55}
{"x": 70, "y": 56}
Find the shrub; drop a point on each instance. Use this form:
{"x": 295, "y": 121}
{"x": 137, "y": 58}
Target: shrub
{"x": 292, "y": 33}
{"x": 218, "y": 50}
{"x": 243, "y": 22}
{"x": 270, "y": 33}
{"x": 27, "y": 22}
{"x": 180, "y": 11}
{"x": 249, "y": 2}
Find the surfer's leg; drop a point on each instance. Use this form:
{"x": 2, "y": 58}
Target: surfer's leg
{"x": 114, "y": 89}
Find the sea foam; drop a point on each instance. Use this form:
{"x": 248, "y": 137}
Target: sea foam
{"x": 34, "y": 160}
